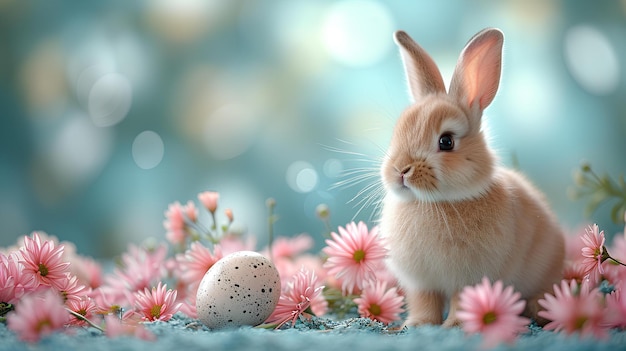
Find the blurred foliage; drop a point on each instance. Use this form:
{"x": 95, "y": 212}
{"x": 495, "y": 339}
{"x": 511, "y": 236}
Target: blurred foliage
{"x": 599, "y": 190}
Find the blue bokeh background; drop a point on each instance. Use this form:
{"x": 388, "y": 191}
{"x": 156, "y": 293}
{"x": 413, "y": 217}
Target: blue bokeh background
{"x": 111, "y": 110}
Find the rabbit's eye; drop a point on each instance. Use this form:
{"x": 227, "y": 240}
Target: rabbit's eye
{"x": 446, "y": 142}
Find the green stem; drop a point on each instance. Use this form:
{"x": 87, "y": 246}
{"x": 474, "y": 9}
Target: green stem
{"x": 5, "y": 308}
{"x": 83, "y": 318}
{"x": 606, "y": 256}
{"x": 271, "y": 203}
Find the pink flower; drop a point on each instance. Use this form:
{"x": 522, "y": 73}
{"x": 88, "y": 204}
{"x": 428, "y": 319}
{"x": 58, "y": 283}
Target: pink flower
{"x": 175, "y": 223}
{"x": 593, "y": 252}
{"x": 573, "y": 244}
{"x": 195, "y": 262}
{"x": 287, "y": 268}
{"x": 493, "y": 311}
{"x": 302, "y": 293}
{"x": 616, "y": 308}
{"x": 234, "y": 242}
{"x": 108, "y": 300}
{"x": 574, "y": 308}
{"x": 188, "y": 306}
{"x": 575, "y": 271}
{"x": 126, "y": 326}
{"x": 157, "y": 304}
{"x": 209, "y": 200}
{"x": 140, "y": 268}
{"x": 44, "y": 260}
{"x": 14, "y": 283}
{"x": 614, "y": 272}
{"x": 85, "y": 307}
{"x": 378, "y": 303}
{"x": 37, "y": 315}
{"x": 229, "y": 214}
{"x": 291, "y": 247}
{"x": 70, "y": 288}
{"x": 87, "y": 270}
{"x": 353, "y": 255}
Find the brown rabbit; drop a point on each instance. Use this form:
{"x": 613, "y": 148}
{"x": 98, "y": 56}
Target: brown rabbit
{"x": 451, "y": 215}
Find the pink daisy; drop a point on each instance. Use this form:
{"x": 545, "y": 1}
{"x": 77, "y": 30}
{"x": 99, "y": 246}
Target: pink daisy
{"x": 87, "y": 270}
{"x": 70, "y": 288}
{"x": 235, "y": 242}
{"x": 157, "y": 304}
{"x": 44, "y": 261}
{"x": 353, "y": 255}
{"x": 229, "y": 214}
{"x": 108, "y": 300}
{"x": 141, "y": 268}
{"x": 209, "y": 200}
{"x": 37, "y": 315}
{"x": 287, "y": 267}
{"x": 195, "y": 262}
{"x": 594, "y": 252}
{"x": 378, "y": 303}
{"x": 116, "y": 327}
{"x": 493, "y": 311}
{"x": 613, "y": 271}
{"x": 175, "y": 222}
{"x": 291, "y": 247}
{"x": 574, "y": 309}
{"x": 575, "y": 271}
{"x": 188, "y": 306}
{"x": 14, "y": 283}
{"x": 302, "y": 293}
{"x": 616, "y": 308}
{"x": 85, "y": 307}
{"x": 573, "y": 244}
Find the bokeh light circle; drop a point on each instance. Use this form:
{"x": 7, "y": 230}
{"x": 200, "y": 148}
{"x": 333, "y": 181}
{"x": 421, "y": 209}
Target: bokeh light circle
{"x": 358, "y": 32}
{"x": 229, "y": 131}
{"x": 302, "y": 177}
{"x": 109, "y": 99}
{"x": 591, "y": 59}
{"x": 148, "y": 149}
{"x": 78, "y": 151}
{"x": 333, "y": 168}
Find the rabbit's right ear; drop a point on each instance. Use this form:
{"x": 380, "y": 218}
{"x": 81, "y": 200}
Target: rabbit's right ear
{"x": 421, "y": 72}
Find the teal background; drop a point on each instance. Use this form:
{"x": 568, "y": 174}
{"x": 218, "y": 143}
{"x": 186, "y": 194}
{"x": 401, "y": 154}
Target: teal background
{"x": 111, "y": 110}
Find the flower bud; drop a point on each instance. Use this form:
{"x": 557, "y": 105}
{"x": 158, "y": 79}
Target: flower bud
{"x": 209, "y": 200}
{"x": 322, "y": 211}
{"x": 229, "y": 214}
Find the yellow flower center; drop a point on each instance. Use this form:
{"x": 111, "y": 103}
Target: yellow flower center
{"x": 155, "y": 311}
{"x": 44, "y": 323}
{"x": 375, "y": 309}
{"x": 358, "y": 256}
{"x": 580, "y": 322}
{"x": 43, "y": 270}
{"x": 597, "y": 253}
{"x": 489, "y": 317}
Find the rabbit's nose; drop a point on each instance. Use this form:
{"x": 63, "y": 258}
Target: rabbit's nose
{"x": 404, "y": 174}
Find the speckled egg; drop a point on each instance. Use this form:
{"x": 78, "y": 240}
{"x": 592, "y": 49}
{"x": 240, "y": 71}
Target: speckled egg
{"x": 240, "y": 289}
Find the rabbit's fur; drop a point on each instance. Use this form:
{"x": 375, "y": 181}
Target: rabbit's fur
{"x": 451, "y": 215}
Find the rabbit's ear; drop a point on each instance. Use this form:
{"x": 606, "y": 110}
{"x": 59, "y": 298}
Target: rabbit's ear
{"x": 477, "y": 73}
{"x": 421, "y": 72}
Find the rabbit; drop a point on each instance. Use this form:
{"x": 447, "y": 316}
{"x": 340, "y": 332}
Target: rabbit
{"x": 450, "y": 214}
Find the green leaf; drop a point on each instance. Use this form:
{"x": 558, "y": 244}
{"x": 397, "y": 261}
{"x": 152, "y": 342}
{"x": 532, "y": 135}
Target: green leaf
{"x": 617, "y": 212}
{"x": 595, "y": 201}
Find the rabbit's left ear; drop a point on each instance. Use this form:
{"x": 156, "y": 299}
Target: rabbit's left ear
{"x": 477, "y": 73}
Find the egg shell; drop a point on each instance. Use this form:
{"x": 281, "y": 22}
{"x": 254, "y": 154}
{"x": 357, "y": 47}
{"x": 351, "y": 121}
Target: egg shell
{"x": 240, "y": 289}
